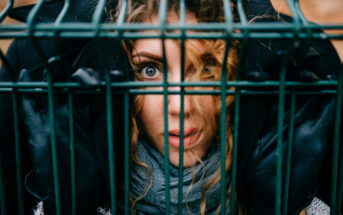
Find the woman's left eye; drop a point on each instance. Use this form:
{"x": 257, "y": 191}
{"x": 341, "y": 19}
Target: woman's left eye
{"x": 150, "y": 72}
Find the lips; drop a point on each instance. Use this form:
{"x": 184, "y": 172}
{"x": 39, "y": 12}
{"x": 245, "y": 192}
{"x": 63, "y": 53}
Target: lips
{"x": 191, "y": 136}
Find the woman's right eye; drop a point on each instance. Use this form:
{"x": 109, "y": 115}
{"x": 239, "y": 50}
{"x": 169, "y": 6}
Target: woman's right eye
{"x": 150, "y": 72}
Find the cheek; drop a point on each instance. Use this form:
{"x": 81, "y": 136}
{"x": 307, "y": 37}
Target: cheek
{"x": 152, "y": 113}
{"x": 209, "y": 118}
{"x": 209, "y": 106}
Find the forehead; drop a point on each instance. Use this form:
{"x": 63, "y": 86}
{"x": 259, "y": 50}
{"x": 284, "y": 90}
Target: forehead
{"x": 172, "y": 17}
{"x": 154, "y": 45}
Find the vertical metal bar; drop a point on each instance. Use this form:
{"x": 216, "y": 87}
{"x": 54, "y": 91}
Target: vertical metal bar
{"x": 96, "y": 20}
{"x": 5, "y": 11}
{"x": 162, "y": 14}
{"x": 30, "y": 20}
{"x": 17, "y": 152}
{"x": 279, "y": 140}
{"x": 72, "y": 152}
{"x": 110, "y": 141}
{"x": 300, "y": 14}
{"x": 53, "y": 140}
{"x": 121, "y": 20}
{"x": 223, "y": 87}
{"x": 63, "y": 12}
{"x": 58, "y": 21}
{"x": 340, "y": 184}
{"x": 289, "y": 154}
{"x": 32, "y": 15}
{"x": 126, "y": 149}
{"x": 97, "y": 15}
{"x": 295, "y": 16}
{"x": 244, "y": 22}
{"x": 166, "y": 145}
{"x": 278, "y": 188}
{"x": 241, "y": 13}
{"x": 2, "y": 190}
{"x": 245, "y": 41}
{"x": 234, "y": 151}
{"x": 181, "y": 149}
{"x": 335, "y": 152}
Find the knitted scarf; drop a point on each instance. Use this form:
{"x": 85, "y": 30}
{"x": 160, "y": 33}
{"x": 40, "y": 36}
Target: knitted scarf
{"x": 154, "y": 202}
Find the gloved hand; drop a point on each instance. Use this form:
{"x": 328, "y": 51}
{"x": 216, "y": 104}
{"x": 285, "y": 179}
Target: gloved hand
{"x": 94, "y": 60}
{"x": 40, "y": 183}
{"x": 314, "y": 116}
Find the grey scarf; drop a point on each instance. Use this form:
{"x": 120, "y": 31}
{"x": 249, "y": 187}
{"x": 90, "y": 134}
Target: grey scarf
{"x": 154, "y": 202}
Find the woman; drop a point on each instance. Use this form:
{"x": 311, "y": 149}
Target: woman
{"x": 203, "y": 61}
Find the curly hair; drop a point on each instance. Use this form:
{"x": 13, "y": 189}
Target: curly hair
{"x": 205, "y": 11}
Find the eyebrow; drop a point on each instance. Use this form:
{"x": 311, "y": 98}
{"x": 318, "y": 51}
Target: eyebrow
{"x": 148, "y": 55}
{"x": 209, "y": 59}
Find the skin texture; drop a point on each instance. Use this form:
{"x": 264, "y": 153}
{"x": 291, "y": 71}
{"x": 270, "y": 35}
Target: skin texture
{"x": 147, "y": 55}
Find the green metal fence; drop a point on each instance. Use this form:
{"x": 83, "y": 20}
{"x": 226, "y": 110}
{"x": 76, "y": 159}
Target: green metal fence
{"x": 231, "y": 29}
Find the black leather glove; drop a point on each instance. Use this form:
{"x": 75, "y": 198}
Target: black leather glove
{"x": 40, "y": 182}
{"x": 314, "y": 117}
{"x": 90, "y": 67}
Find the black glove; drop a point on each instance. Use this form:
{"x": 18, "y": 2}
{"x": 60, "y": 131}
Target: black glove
{"x": 94, "y": 60}
{"x": 314, "y": 117}
{"x": 40, "y": 182}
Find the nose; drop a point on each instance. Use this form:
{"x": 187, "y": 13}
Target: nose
{"x": 174, "y": 106}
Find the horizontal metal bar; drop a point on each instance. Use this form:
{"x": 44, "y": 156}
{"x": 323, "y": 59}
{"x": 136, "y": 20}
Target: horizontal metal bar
{"x": 130, "y": 84}
{"x": 188, "y": 92}
{"x": 261, "y": 26}
{"x": 208, "y": 35}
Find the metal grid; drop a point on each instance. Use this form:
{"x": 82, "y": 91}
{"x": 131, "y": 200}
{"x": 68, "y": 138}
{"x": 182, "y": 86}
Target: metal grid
{"x": 243, "y": 30}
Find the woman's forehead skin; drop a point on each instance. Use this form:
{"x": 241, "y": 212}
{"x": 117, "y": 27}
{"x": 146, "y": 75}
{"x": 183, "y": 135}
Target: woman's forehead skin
{"x": 172, "y": 17}
{"x": 152, "y": 48}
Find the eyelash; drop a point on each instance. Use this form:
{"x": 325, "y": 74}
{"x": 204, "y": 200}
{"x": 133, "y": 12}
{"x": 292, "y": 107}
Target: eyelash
{"x": 143, "y": 65}
{"x": 207, "y": 69}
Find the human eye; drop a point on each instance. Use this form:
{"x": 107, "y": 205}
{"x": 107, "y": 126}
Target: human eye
{"x": 210, "y": 65}
{"x": 150, "y": 72}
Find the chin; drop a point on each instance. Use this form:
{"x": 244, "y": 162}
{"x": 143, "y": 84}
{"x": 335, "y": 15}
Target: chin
{"x": 186, "y": 163}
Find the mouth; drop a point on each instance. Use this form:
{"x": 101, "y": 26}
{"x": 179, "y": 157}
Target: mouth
{"x": 190, "y": 137}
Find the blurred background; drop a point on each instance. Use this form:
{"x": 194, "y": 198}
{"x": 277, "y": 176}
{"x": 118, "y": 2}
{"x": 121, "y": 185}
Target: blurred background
{"x": 319, "y": 11}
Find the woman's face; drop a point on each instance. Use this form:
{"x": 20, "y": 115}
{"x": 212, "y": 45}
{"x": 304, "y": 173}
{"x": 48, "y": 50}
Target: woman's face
{"x": 198, "y": 128}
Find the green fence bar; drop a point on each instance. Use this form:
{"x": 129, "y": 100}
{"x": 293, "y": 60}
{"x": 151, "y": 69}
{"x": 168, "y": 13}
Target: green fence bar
{"x": 340, "y": 183}
{"x": 2, "y": 190}
{"x": 182, "y": 69}
{"x": 320, "y": 85}
{"x": 289, "y": 153}
{"x": 110, "y": 142}
{"x": 162, "y": 14}
{"x": 63, "y": 13}
{"x": 121, "y": 20}
{"x": 278, "y": 188}
{"x": 5, "y": 11}
{"x": 223, "y": 86}
{"x": 234, "y": 152}
{"x": 17, "y": 152}
{"x": 30, "y": 20}
{"x": 53, "y": 141}
{"x": 72, "y": 151}
{"x": 126, "y": 151}
{"x": 223, "y": 135}
{"x": 335, "y": 157}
